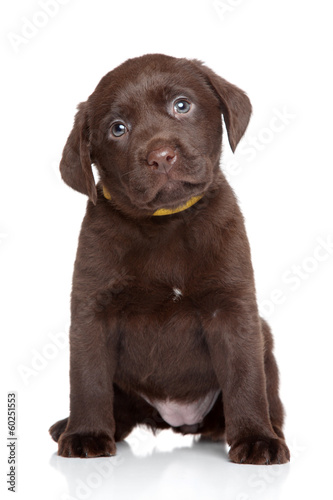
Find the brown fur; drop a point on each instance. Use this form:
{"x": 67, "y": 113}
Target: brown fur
{"x": 130, "y": 335}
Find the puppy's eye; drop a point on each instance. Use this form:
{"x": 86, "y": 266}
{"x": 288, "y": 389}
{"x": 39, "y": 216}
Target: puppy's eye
{"x": 118, "y": 129}
{"x": 182, "y": 106}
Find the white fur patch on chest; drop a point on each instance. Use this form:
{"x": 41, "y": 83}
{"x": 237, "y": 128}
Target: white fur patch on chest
{"x": 177, "y": 294}
{"x": 177, "y": 414}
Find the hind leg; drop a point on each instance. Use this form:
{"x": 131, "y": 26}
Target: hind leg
{"x": 276, "y": 411}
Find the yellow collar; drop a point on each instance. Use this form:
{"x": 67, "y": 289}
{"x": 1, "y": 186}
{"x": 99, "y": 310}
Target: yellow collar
{"x": 164, "y": 211}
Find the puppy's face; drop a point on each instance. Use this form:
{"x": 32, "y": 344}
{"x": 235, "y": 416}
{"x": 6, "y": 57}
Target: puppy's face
{"x": 161, "y": 130}
{"x": 153, "y": 129}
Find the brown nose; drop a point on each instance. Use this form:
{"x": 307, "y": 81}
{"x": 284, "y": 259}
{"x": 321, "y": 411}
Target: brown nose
{"x": 162, "y": 159}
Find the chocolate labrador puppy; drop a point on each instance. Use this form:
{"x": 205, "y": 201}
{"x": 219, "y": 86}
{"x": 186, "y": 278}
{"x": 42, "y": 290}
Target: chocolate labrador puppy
{"x": 165, "y": 328}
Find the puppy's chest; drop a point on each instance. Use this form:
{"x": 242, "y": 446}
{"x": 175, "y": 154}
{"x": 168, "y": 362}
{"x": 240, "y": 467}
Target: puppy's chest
{"x": 133, "y": 296}
{"x": 151, "y": 281}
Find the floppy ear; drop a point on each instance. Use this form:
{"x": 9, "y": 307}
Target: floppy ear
{"x": 235, "y": 105}
{"x": 75, "y": 165}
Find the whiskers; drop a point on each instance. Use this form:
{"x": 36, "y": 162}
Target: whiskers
{"x": 136, "y": 171}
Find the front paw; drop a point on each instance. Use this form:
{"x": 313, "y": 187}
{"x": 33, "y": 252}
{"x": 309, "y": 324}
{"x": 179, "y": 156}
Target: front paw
{"x": 86, "y": 445}
{"x": 259, "y": 450}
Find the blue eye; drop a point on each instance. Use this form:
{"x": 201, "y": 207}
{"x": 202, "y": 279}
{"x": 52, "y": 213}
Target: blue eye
{"x": 182, "y": 106}
{"x": 118, "y": 129}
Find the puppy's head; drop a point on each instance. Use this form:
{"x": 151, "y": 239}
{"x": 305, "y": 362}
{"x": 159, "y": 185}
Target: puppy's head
{"x": 153, "y": 129}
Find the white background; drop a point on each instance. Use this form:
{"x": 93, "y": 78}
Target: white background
{"x": 280, "y": 53}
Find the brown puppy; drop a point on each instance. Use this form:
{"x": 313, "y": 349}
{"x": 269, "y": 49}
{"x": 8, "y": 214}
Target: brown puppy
{"x": 165, "y": 328}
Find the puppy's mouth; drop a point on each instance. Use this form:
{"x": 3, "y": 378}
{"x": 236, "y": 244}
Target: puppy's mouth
{"x": 174, "y": 192}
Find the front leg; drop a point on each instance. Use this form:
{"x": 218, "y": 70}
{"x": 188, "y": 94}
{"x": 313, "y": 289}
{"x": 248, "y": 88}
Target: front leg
{"x": 90, "y": 428}
{"x": 236, "y": 346}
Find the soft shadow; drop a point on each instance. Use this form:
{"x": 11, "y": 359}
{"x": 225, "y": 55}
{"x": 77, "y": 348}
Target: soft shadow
{"x": 193, "y": 472}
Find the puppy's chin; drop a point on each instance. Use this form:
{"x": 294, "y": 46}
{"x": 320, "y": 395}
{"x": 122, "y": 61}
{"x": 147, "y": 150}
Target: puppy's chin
{"x": 175, "y": 193}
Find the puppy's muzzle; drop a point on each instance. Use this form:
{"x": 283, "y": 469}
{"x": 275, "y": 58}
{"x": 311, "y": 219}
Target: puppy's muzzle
{"x": 162, "y": 160}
